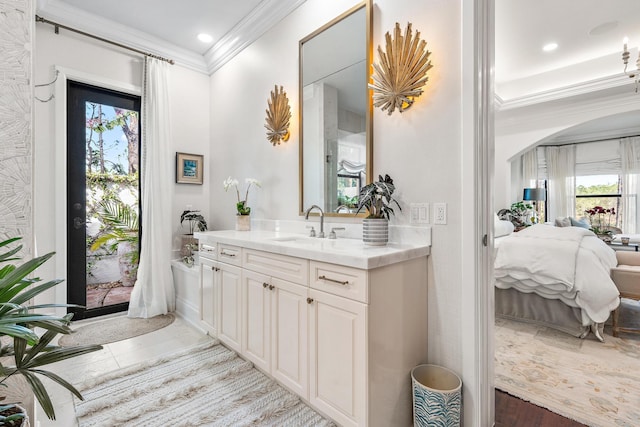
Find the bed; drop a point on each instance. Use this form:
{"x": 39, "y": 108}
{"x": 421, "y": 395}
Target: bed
{"x": 556, "y": 276}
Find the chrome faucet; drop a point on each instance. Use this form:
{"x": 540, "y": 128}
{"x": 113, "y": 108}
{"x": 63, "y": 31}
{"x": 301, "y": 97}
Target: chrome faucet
{"x": 342, "y": 207}
{"x": 306, "y": 216}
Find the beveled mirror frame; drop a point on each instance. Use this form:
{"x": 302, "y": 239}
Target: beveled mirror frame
{"x": 368, "y": 6}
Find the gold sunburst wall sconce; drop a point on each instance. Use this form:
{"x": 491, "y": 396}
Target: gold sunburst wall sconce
{"x": 278, "y": 116}
{"x": 402, "y": 71}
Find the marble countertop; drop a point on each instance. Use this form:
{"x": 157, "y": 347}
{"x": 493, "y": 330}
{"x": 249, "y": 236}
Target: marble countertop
{"x": 343, "y": 251}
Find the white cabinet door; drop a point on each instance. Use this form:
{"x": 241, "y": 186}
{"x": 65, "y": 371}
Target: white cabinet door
{"x": 289, "y": 351}
{"x": 256, "y": 318}
{"x": 230, "y": 291}
{"x": 337, "y": 357}
{"x": 207, "y": 311}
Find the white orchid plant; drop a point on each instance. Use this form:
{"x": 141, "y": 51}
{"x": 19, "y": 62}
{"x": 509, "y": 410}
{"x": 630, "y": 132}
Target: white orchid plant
{"x": 241, "y": 206}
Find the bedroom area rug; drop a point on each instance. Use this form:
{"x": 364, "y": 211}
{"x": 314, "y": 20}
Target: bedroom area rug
{"x": 207, "y": 385}
{"x": 597, "y": 384}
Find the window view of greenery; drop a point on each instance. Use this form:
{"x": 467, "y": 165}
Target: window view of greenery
{"x": 112, "y": 146}
{"x": 602, "y": 191}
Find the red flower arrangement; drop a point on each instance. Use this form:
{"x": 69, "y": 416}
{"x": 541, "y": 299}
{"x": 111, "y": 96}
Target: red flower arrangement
{"x": 596, "y": 217}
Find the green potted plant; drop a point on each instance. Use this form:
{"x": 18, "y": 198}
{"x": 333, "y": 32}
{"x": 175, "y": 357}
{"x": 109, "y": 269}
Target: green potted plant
{"x": 27, "y": 350}
{"x": 120, "y": 234}
{"x": 189, "y": 243}
{"x": 377, "y": 199}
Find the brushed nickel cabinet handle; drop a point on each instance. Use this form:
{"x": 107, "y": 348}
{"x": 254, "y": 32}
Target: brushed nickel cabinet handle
{"x": 309, "y": 300}
{"x": 230, "y": 254}
{"x": 339, "y": 282}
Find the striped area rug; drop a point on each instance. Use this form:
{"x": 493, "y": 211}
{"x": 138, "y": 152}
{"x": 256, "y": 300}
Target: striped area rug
{"x": 205, "y": 386}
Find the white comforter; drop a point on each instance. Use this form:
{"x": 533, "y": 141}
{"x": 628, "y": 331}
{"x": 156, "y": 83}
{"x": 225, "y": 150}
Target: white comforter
{"x": 566, "y": 263}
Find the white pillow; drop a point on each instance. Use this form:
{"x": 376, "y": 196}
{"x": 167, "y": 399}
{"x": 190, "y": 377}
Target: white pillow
{"x": 502, "y": 227}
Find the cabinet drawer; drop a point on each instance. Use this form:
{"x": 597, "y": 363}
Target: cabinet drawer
{"x": 281, "y": 266}
{"x": 208, "y": 250}
{"x": 335, "y": 279}
{"x": 230, "y": 254}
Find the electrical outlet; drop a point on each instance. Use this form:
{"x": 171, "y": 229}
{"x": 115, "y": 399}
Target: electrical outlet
{"x": 439, "y": 213}
{"x": 419, "y": 213}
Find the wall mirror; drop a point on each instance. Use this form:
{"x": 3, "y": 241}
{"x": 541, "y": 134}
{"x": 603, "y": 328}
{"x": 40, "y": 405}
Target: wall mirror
{"x": 336, "y": 138}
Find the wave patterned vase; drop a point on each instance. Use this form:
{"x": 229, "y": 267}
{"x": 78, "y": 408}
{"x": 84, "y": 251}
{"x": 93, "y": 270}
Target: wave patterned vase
{"x": 375, "y": 231}
{"x": 437, "y": 397}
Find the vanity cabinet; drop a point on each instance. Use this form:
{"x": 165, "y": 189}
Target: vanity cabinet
{"x": 208, "y": 296}
{"x": 274, "y": 314}
{"x": 221, "y": 293}
{"x": 337, "y": 357}
{"x": 275, "y": 317}
{"x": 343, "y": 338}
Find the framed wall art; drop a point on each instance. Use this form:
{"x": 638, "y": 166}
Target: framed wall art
{"x": 189, "y": 168}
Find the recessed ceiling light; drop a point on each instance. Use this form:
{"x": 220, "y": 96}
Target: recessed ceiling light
{"x": 205, "y": 38}
{"x": 549, "y": 47}
{"x": 603, "y": 28}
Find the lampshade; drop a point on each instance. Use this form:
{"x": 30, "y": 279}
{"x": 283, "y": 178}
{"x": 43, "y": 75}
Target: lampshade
{"x": 534, "y": 194}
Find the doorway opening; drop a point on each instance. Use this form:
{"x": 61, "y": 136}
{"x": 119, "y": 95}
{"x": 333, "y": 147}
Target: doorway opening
{"x": 103, "y": 193}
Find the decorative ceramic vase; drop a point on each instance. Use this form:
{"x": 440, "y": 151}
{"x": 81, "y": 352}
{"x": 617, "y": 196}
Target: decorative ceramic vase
{"x": 375, "y": 231}
{"x": 437, "y": 397}
{"x": 243, "y": 222}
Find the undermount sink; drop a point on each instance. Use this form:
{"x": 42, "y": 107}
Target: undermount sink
{"x": 319, "y": 243}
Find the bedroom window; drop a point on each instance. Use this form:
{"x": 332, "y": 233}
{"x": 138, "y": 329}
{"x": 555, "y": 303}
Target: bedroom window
{"x": 598, "y": 190}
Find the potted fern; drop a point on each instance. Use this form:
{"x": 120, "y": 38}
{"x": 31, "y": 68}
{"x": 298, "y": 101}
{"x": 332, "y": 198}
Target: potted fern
{"x": 22, "y": 351}
{"x": 377, "y": 199}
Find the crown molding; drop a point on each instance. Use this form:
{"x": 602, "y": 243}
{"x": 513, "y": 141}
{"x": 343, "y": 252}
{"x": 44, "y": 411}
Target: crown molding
{"x": 540, "y": 115}
{"x": 71, "y": 16}
{"x": 584, "y": 88}
{"x": 260, "y": 20}
{"x": 603, "y": 135}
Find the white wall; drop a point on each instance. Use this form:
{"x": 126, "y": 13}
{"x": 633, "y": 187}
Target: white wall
{"x": 190, "y": 127}
{"x": 421, "y": 149}
{"x": 519, "y": 129}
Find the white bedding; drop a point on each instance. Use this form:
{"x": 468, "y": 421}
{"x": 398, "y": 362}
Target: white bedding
{"x": 567, "y": 263}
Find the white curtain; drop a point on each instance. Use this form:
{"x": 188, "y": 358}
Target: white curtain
{"x": 561, "y": 177}
{"x": 153, "y": 293}
{"x": 530, "y": 169}
{"x": 630, "y": 165}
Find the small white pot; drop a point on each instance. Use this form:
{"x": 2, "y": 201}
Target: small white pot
{"x": 375, "y": 231}
{"x": 243, "y": 222}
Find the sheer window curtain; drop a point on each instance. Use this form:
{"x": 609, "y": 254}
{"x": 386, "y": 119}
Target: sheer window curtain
{"x": 530, "y": 168}
{"x": 153, "y": 293}
{"x": 630, "y": 165}
{"x": 561, "y": 178}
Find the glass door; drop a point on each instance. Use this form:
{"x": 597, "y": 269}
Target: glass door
{"x": 103, "y": 191}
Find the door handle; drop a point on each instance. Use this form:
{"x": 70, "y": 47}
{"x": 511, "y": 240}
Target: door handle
{"x": 78, "y": 222}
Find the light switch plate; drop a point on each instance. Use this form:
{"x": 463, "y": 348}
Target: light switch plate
{"x": 419, "y": 213}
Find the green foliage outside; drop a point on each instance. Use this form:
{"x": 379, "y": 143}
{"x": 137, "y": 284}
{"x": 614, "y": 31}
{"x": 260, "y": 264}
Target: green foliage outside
{"x": 585, "y": 203}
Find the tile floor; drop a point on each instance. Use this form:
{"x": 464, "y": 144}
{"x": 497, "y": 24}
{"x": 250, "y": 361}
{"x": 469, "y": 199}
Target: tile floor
{"x": 179, "y": 335}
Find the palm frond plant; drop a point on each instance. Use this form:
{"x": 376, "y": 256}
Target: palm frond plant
{"x": 18, "y": 320}
{"x": 121, "y": 225}
{"x": 376, "y": 198}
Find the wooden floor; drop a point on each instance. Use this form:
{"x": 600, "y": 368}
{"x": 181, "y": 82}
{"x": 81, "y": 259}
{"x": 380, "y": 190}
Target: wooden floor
{"x": 514, "y": 412}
